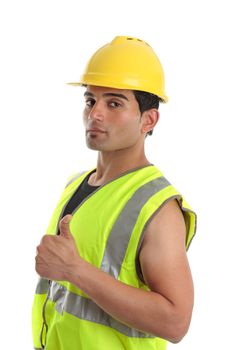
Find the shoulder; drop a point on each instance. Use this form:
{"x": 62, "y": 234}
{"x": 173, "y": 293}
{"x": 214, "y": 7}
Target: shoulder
{"x": 166, "y": 232}
{"x": 163, "y": 258}
{"x": 168, "y": 221}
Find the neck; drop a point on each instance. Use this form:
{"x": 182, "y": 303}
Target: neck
{"x": 113, "y": 164}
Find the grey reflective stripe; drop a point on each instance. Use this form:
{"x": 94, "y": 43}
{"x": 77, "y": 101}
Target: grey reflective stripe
{"x": 38, "y": 349}
{"x": 75, "y": 177}
{"x": 86, "y": 309}
{"x": 42, "y": 286}
{"x": 121, "y": 232}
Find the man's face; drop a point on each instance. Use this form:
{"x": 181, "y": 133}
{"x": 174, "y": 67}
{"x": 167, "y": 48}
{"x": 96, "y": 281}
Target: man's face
{"x": 112, "y": 119}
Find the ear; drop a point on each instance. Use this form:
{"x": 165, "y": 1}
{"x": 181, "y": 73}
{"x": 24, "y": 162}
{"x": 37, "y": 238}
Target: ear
{"x": 149, "y": 120}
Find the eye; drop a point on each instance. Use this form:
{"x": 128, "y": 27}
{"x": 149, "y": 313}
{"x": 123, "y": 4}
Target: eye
{"x": 114, "y": 104}
{"x": 90, "y": 102}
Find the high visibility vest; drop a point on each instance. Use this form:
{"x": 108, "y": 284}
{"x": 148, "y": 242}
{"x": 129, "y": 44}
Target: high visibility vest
{"x": 108, "y": 227}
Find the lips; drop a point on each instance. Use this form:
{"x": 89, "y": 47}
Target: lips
{"x": 95, "y": 130}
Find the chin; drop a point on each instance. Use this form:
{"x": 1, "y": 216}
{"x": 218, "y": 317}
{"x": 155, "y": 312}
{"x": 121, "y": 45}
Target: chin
{"x": 93, "y": 146}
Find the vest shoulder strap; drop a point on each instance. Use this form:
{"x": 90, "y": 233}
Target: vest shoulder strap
{"x": 73, "y": 177}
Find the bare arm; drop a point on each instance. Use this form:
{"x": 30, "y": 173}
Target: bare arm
{"x": 163, "y": 312}
{"x": 166, "y": 269}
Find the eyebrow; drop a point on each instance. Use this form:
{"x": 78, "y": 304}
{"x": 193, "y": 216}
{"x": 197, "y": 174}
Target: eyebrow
{"x": 106, "y": 94}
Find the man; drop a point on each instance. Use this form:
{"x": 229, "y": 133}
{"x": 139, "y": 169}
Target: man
{"x": 113, "y": 265}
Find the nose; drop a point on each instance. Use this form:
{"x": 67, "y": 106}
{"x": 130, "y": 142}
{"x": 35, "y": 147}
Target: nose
{"x": 96, "y": 112}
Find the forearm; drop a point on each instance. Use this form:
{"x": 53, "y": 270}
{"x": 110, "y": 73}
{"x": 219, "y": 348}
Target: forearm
{"x": 146, "y": 311}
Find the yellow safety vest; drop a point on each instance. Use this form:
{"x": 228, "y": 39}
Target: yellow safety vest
{"x": 108, "y": 227}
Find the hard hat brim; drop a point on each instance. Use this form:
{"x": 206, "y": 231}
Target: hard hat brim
{"x": 163, "y": 97}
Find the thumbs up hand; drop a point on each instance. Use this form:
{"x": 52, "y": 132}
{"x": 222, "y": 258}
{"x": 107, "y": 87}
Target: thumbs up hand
{"x": 57, "y": 256}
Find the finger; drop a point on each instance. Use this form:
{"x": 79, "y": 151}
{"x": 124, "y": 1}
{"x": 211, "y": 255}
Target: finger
{"x": 64, "y": 226}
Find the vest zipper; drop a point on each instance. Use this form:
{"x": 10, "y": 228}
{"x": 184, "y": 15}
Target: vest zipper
{"x": 44, "y": 325}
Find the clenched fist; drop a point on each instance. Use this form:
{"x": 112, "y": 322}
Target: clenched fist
{"x": 57, "y": 256}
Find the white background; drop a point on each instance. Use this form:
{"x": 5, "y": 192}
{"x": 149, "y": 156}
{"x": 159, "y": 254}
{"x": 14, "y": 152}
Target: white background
{"x": 45, "y": 44}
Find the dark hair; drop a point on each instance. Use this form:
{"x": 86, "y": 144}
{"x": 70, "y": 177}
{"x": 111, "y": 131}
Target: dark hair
{"x": 146, "y": 101}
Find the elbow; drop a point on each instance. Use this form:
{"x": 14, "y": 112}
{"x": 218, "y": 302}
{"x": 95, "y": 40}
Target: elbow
{"x": 178, "y": 329}
{"x": 175, "y": 327}
{"x": 176, "y": 337}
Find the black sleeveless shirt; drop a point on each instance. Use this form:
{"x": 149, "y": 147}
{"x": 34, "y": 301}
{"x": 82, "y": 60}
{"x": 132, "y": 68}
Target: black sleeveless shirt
{"x": 79, "y": 195}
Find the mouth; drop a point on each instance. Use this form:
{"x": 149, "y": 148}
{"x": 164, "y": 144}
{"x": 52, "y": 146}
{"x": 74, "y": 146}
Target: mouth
{"x": 95, "y": 130}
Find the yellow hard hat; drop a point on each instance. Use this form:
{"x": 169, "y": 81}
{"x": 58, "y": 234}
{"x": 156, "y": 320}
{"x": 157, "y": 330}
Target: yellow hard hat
{"x": 125, "y": 63}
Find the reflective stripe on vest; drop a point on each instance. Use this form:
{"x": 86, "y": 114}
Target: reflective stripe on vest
{"x": 86, "y": 309}
{"x": 42, "y": 286}
{"x": 114, "y": 253}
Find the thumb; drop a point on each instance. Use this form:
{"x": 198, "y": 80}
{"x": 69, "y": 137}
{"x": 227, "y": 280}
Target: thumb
{"x": 64, "y": 226}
